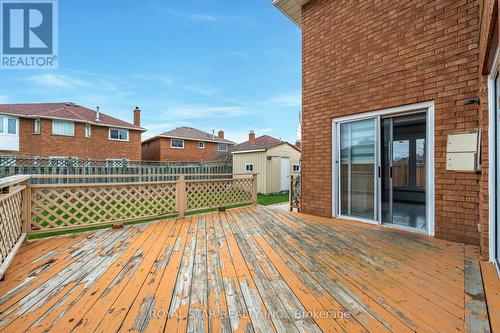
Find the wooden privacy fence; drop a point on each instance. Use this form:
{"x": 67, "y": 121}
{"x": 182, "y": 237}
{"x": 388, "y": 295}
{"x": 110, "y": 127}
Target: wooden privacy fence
{"x": 27, "y": 208}
{"x": 10, "y": 165}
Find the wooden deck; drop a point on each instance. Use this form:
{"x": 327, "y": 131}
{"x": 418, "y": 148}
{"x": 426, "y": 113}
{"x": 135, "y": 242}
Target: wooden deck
{"x": 248, "y": 269}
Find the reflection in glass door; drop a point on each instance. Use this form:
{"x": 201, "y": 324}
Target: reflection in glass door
{"x": 357, "y": 168}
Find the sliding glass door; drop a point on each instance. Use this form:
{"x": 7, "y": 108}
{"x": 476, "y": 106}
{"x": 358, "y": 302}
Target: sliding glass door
{"x": 381, "y": 169}
{"x": 358, "y": 168}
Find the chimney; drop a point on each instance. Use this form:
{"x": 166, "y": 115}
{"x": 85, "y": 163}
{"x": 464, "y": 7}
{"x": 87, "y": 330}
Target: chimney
{"x": 97, "y": 113}
{"x": 298, "y": 145}
{"x": 137, "y": 116}
{"x": 221, "y": 134}
{"x": 251, "y": 137}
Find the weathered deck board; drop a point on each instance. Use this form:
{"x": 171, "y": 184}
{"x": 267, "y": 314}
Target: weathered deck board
{"x": 245, "y": 270}
{"x": 377, "y": 282}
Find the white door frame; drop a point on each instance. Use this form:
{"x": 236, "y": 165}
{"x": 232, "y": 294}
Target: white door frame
{"x": 491, "y": 161}
{"x": 427, "y": 107}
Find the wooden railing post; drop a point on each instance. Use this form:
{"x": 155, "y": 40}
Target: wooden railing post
{"x": 181, "y": 197}
{"x": 254, "y": 188}
{"x": 290, "y": 193}
{"x": 26, "y": 206}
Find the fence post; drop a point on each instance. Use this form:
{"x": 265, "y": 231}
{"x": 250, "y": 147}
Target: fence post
{"x": 290, "y": 193}
{"x": 254, "y": 188}
{"x": 181, "y": 199}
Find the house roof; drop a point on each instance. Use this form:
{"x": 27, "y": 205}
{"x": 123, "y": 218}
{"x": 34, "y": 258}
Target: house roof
{"x": 189, "y": 133}
{"x": 291, "y": 8}
{"x": 67, "y": 111}
{"x": 263, "y": 142}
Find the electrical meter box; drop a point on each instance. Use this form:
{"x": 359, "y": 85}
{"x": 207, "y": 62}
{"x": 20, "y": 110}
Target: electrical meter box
{"x": 461, "y": 152}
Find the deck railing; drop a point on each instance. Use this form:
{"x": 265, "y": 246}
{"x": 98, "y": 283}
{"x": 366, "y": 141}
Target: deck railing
{"x": 30, "y": 206}
{"x": 13, "y": 218}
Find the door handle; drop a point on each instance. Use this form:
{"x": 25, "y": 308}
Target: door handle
{"x": 390, "y": 172}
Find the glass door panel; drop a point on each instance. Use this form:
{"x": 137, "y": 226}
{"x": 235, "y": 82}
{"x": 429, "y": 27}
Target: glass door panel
{"x": 386, "y": 138}
{"x": 403, "y": 170}
{"x": 358, "y": 164}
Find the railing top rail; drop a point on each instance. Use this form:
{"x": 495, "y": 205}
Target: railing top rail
{"x": 13, "y": 180}
{"x": 101, "y": 184}
{"x": 137, "y": 175}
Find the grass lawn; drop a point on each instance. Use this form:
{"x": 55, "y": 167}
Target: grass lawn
{"x": 270, "y": 199}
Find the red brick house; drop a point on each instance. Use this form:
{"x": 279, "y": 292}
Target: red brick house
{"x": 67, "y": 130}
{"x": 392, "y": 130}
{"x": 187, "y": 144}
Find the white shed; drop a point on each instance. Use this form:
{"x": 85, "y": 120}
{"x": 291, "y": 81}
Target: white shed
{"x": 272, "y": 159}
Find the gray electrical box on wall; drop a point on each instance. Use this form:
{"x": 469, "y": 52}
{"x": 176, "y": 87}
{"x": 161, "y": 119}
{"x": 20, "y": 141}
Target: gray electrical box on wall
{"x": 461, "y": 152}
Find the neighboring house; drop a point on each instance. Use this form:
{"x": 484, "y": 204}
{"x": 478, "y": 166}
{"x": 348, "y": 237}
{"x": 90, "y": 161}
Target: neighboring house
{"x": 272, "y": 159}
{"x": 186, "y": 144}
{"x": 390, "y": 117}
{"x": 67, "y": 130}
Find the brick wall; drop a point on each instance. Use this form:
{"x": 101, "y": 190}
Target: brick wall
{"x": 160, "y": 150}
{"x": 150, "y": 151}
{"x": 366, "y": 56}
{"x": 98, "y": 146}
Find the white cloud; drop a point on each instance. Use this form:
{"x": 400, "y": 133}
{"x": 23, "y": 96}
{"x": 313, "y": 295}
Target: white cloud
{"x": 203, "y": 111}
{"x": 4, "y": 99}
{"x": 293, "y": 99}
{"x": 204, "y": 18}
{"x": 57, "y": 81}
{"x": 241, "y": 54}
{"x": 162, "y": 79}
{"x": 209, "y": 18}
{"x": 200, "y": 89}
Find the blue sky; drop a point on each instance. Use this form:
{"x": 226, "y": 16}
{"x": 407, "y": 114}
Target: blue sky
{"x": 209, "y": 64}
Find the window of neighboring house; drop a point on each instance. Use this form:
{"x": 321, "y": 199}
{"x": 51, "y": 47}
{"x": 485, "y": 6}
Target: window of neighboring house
{"x": 63, "y": 127}
{"x": 1, "y": 125}
{"x": 201, "y": 145}
{"x": 222, "y": 147}
{"x": 88, "y": 130}
{"x": 177, "y": 143}
{"x": 296, "y": 168}
{"x": 249, "y": 167}
{"x": 11, "y": 126}
{"x": 36, "y": 128}
{"x": 119, "y": 134}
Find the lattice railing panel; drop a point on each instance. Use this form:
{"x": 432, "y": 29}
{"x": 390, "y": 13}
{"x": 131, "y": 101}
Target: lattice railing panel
{"x": 220, "y": 193}
{"x": 59, "y": 207}
{"x": 10, "y": 221}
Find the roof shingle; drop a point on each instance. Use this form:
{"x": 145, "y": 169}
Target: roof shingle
{"x": 262, "y": 142}
{"x": 190, "y": 133}
{"x": 68, "y": 110}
